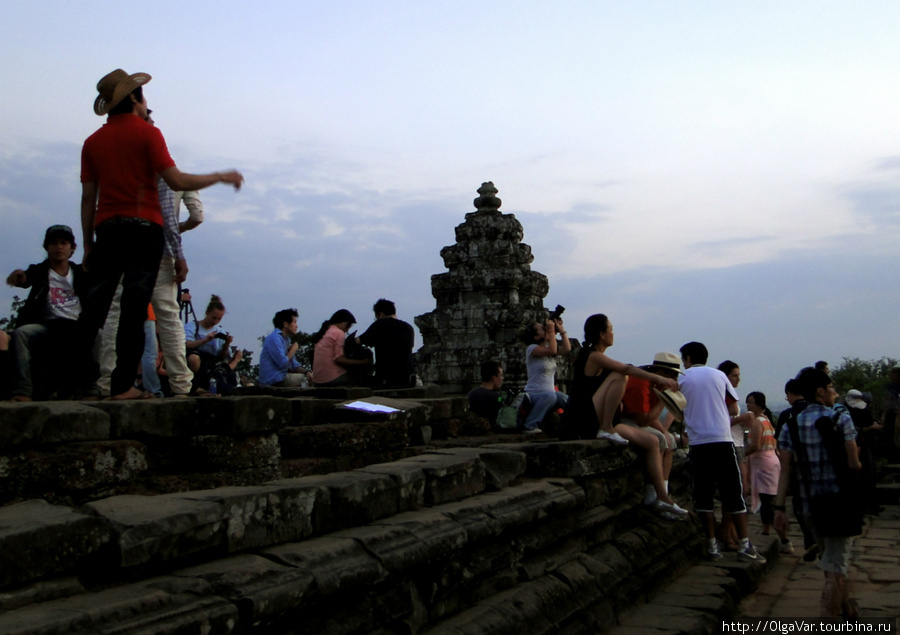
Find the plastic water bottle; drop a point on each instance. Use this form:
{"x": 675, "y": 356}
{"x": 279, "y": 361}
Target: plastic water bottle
{"x": 212, "y": 386}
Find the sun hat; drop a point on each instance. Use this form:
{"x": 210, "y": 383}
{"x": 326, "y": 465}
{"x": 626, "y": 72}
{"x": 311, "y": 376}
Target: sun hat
{"x": 673, "y": 400}
{"x": 666, "y": 361}
{"x": 116, "y": 86}
{"x": 854, "y": 399}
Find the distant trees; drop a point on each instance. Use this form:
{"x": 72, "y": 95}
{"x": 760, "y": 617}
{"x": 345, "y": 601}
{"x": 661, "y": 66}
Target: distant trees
{"x": 9, "y": 323}
{"x": 866, "y": 376}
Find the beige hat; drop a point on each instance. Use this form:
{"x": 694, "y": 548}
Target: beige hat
{"x": 115, "y": 87}
{"x": 666, "y": 361}
{"x": 673, "y": 400}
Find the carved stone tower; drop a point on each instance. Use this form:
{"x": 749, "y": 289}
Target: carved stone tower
{"x": 488, "y": 295}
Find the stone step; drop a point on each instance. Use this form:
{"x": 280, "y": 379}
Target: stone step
{"x": 132, "y": 532}
{"x": 527, "y": 556}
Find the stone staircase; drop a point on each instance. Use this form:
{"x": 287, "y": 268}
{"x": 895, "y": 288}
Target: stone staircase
{"x": 286, "y": 513}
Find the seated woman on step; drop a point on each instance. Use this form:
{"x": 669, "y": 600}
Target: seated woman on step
{"x": 597, "y": 391}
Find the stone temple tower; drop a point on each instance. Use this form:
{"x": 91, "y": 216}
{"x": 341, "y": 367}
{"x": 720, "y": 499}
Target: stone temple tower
{"x": 488, "y": 295}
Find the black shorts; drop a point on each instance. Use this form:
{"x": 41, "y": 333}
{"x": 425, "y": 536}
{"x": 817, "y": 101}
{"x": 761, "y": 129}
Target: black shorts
{"x": 716, "y": 464}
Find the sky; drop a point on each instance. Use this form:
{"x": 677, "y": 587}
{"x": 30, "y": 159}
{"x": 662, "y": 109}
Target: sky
{"x": 727, "y": 172}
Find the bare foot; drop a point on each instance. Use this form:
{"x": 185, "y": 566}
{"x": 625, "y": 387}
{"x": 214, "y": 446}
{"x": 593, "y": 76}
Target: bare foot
{"x": 131, "y": 393}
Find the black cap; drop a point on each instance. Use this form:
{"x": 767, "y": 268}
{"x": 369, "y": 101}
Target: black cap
{"x": 55, "y": 231}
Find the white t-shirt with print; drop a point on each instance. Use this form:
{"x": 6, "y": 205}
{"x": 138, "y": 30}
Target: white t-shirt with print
{"x": 62, "y": 303}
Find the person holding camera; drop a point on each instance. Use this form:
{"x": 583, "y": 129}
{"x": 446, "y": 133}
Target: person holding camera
{"x": 541, "y": 351}
{"x": 208, "y": 347}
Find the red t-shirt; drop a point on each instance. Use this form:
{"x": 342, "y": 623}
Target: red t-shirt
{"x": 123, "y": 158}
{"x": 638, "y": 399}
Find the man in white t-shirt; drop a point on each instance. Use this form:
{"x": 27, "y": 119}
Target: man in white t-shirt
{"x": 711, "y": 401}
{"x": 48, "y": 321}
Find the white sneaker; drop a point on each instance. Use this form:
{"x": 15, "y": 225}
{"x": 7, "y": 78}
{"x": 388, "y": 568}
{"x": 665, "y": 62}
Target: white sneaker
{"x": 614, "y": 437}
{"x": 534, "y": 431}
{"x": 671, "y": 508}
{"x": 786, "y": 547}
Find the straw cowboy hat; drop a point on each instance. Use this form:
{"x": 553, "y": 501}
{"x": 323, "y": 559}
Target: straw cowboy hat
{"x": 115, "y": 87}
{"x": 673, "y": 400}
{"x": 666, "y": 361}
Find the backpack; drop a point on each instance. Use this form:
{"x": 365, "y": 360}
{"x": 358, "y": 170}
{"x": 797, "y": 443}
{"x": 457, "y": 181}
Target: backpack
{"x": 834, "y": 514}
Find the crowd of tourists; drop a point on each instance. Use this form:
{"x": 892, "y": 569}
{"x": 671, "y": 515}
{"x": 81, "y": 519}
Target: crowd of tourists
{"x": 820, "y": 452}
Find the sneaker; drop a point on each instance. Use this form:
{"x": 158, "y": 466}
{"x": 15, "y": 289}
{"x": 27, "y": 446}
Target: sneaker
{"x": 534, "y": 431}
{"x": 712, "y": 552}
{"x": 750, "y": 554}
{"x": 670, "y": 508}
{"x": 786, "y": 547}
{"x": 614, "y": 437}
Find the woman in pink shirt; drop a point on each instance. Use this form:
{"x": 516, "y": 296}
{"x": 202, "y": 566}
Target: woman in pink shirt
{"x": 329, "y": 361}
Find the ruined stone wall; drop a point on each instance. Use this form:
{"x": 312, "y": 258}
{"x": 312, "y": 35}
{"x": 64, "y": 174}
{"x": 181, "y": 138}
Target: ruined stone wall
{"x": 488, "y": 295}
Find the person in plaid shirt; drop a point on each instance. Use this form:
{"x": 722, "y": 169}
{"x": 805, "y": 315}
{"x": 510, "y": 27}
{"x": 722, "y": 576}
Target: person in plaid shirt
{"x": 818, "y": 476}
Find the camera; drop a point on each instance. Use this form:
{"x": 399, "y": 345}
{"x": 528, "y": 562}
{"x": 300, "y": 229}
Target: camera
{"x": 221, "y": 336}
{"x": 556, "y": 313}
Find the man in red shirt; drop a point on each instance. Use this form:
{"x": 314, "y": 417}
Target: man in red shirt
{"x": 120, "y": 206}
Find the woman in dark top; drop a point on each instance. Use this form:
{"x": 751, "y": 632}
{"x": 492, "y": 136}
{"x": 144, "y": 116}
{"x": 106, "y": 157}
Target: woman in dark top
{"x": 597, "y": 391}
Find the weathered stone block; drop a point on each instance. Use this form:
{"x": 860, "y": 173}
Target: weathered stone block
{"x": 267, "y": 515}
{"x": 308, "y": 411}
{"x": 213, "y": 452}
{"x": 164, "y": 418}
{"x": 354, "y": 498}
{"x": 242, "y": 415}
{"x": 572, "y": 458}
{"x": 156, "y": 529}
{"x": 336, "y": 564}
{"x": 38, "y": 539}
{"x": 446, "y": 407}
{"x": 411, "y": 539}
{"x": 410, "y": 479}
{"x": 41, "y": 591}
{"x": 335, "y": 439}
{"x": 450, "y": 478}
{"x": 502, "y": 467}
{"x": 60, "y": 472}
{"x": 535, "y": 608}
{"x": 420, "y": 436}
{"x": 137, "y": 608}
{"x": 50, "y": 422}
{"x": 262, "y": 589}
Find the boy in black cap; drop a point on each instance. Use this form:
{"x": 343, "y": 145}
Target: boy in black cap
{"x": 48, "y": 319}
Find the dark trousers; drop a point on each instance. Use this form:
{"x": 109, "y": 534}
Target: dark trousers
{"x": 130, "y": 251}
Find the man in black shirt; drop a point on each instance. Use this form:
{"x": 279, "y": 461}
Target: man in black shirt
{"x": 486, "y": 400}
{"x": 393, "y": 341}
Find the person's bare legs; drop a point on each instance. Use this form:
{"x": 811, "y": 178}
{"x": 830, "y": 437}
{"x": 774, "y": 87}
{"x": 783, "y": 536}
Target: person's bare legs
{"x": 650, "y": 444}
{"x": 607, "y": 399}
{"x": 667, "y": 458}
{"x": 740, "y": 524}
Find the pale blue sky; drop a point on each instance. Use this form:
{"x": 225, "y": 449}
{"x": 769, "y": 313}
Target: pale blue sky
{"x": 721, "y": 171}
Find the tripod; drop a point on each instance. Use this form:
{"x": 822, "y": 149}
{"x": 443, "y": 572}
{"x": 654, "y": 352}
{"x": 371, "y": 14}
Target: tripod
{"x": 185, "y": 308}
